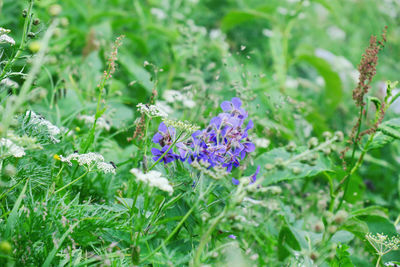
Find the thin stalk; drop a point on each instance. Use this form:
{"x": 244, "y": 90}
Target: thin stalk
{"x": 72, "y": 182}
{"x": 165, "y": 153}
{"x": 22, "y": 44}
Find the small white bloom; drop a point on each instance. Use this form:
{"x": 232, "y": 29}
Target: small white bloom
{"x": 336, "y": 33}
{"x": 215, "y": 34}
{"x": 9, "y": 83}
{"x": 8, "y": 148}
{"x": 172, "y": 96}
{"x": 4, "y": 38}
{"x": 151, "y": 110}
{"x": 261, "y": 142}
{"x": 158, "y": 13}
{"x": 40, "y": 121}
{"x": 89, "y": 160}
{"x": 267, "y": 33}
{"x": 153, "y": 179}
{"x": 106, "y": 167}
{"x": 101, "y": 122}
{"x": 189, "y": 103}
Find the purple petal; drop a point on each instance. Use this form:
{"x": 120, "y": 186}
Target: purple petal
{"x": 156, "y": 152}
{"x": 235, "y": 181}
{"x": 250, "y": 125}
{"x": 157, "y": 138}
{"x": 232, "y": 236}
{"x": 162, "y": 127}
{"x": 250, "y": 147}
{"x": 226, "y": 106}
{"x": 237, "y": 103}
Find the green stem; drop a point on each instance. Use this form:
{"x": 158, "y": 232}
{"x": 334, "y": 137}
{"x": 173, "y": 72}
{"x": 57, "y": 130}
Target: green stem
{"x": 165, "y": 153}
{"x": 22, "y": 44}
{"x": 205, "y": 237}
{"x": 72, "y": 182}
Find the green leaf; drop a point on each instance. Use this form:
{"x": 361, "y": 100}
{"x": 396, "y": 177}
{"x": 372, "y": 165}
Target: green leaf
{"x": 355, "y": 189}
{"x": 137, "y": 71}
{"x": 333, "y": 84}
{"x": 237, "y": 17}
{"x": 286, "y": 173}
{"x": 286, "y": 240}
{"x": 388, "y": 131}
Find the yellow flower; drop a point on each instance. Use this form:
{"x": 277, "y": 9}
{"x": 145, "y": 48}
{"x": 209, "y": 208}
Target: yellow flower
{"x": 56, "y": 157}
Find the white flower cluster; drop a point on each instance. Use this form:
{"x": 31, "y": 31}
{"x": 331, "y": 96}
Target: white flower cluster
{"x": 261, "y": 142}
{"x": 151, "y": 110}
{"x": 89, "y": 160}
{"x": 9, "y": 83}
{"x": 172, "y": 96}
{"x": 154, "y": 179}
{"x": 181, "y": 125}
{"x": 382, "y": 243}
{"x": 4, "y": 38}
{"x": 40, "y": 121}
{"x": 8, "y": 148}
{"x": 101, "y": 122}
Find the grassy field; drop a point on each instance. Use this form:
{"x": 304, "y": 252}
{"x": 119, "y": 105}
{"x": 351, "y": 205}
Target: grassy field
{"x": 199, "y": 133}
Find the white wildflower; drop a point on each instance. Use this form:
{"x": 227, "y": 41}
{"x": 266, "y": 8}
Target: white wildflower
{"x": 90, "y": 161}
{"x": 151, "y": 110}
{"x": 158, "y": 13}
{"x": 9, "y": 83}
{"x": 4, "y": 38}
{"x": 100, "y": 124}
{"x": 105, "y": 167}
{"x": 153, "y": 179}
{"x": 8, "y": 148}
{"x": 181, "y": 125}
{"x": 41, "y": 121}
{"x": 164, "y": 107}
{"x": 267, "y": 33}
{"x": 172, "y": 95}
{"x": 336, "y": 33}
{"x": 189, "y": 103}
{"x": 215, "y": 34}
{"x": 261, "y": 142}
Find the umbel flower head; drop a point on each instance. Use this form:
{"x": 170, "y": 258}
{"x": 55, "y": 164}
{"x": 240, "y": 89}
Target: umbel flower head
{"x": 39, "y": 121}
{"x": 90, "y": 161}
{"x": 8, "y": 148}
{"x": 153, "y": 179}
{"x": 223, "y": 143}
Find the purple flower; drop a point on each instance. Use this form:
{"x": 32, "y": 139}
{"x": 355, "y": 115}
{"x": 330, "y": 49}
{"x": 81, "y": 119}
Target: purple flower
{"x": 223, "y": 143}
{"x": 165, "y": 135}
{"x": 169, "y": 157}
{"x": 235, "y": 181}
{"x": 253, "y": 178}
{"x": 232, "y": 236}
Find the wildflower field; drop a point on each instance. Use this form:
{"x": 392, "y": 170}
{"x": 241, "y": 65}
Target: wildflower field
{"x": 199, "y": 133}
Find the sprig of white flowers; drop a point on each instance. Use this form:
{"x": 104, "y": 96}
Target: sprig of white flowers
{"x": 153, "y": 179}
{"x": 38, "y": 120}
{"x": 90, "y": 161}
{"x": 4, "y": 38}
{"x": 101, "y": 122}
{"x": 8, "y": 148}
{"x": 151, "y": 110}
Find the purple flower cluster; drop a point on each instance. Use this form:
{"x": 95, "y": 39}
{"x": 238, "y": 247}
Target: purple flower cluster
{"x": 222, "y": 144}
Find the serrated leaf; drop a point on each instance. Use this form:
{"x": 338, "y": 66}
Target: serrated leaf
{"x": 286, "y": 173}
{"x": 333, "y": 84}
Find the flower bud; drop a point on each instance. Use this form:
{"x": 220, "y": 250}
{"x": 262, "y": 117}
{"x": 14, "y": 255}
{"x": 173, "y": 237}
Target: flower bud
{"x": 340, "y": 217}
{"x": 24, "y": 13}
{"x": 339, "y": 136}
{"x": 34, "y": 46}
{"x": 291, "y": 147}
{"x": 296, "y": 170}
{"x": 5, "y": 247}
{"x": 31, "y": 35}
{"x": 314, "y": 255}
{"x": 327, "y": 151}
{"x": 279, "y": 163}
{"x": 55, "y": 10}
{"x": 313, "y": 142}
{"x": 36, "y": 21}
{"x": 269, "y": 166}
{"x": 10, "y": 170}
{"x": 319, "y": 227}
{"x": 332, "y": 229}
{"x": 327, "y": 135}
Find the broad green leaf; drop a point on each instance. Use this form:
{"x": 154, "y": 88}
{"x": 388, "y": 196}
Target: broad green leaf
{"x": 287, "y": 240}
{"x": 355, "y": 189}
{"x": 138, "y": 72}
{"x": 333, "y": 84}
{"x": 237, "y": 17}
{"x": 286, "y": 173}
{"x": 388, "y": 131}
